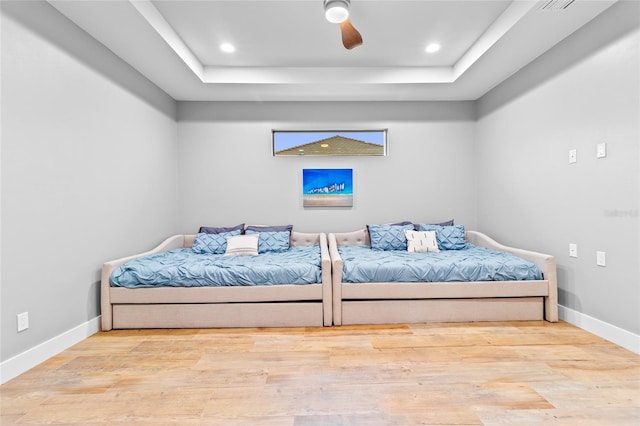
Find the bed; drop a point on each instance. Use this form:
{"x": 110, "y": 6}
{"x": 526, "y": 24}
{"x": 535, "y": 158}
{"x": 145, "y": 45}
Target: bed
{"x": 257, "y": 301}
{"x": 398, "y": 294}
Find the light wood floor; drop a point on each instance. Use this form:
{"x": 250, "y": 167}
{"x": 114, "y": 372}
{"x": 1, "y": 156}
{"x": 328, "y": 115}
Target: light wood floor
{"x": 521, "y": 373}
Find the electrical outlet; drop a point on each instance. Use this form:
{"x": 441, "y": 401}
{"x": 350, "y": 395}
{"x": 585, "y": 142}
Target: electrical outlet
{"x": 23, "y": 321}
{"x": 601, "y": 258}
{"x": 573, "y": 250}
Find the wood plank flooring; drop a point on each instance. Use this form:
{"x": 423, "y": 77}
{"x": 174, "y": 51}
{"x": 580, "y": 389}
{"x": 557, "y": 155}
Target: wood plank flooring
{"x": 519, "y": 373}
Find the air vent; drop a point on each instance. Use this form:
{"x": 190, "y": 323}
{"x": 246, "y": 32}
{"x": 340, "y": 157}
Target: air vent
{"x": 555, "y": 4}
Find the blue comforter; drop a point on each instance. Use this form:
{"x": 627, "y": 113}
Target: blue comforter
{"x": 184, "y": 268}
{"x": 473, "y": 263}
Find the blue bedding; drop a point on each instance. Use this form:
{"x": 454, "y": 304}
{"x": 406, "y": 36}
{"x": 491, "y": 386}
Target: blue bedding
{"x": 185, "y": 268}
{"x": 473, "y": 263}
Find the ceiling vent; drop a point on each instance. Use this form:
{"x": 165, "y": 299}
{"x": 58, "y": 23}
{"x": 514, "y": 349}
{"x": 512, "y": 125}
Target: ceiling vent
{"x": 554, "y": 4}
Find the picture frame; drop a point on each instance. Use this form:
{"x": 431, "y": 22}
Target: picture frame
{"x": 327, "y": 187}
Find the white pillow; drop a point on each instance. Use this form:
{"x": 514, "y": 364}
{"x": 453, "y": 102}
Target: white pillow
{"x": 421, "y": 241}
{"x": 242, "y": 245}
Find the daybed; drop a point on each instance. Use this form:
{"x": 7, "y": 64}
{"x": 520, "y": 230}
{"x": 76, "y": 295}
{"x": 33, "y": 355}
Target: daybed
{"x": 242, "y": 305}
{"x": 411, "y": 302}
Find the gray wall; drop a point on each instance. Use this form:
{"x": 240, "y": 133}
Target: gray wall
{"x": 583, "y": 92}
{"x": 228, "y": 175}
{"x": 88, "y": 168}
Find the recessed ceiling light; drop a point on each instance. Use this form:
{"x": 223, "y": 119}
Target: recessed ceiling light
{"x": 227, "y": 47}
{"x": 432, "y": 48}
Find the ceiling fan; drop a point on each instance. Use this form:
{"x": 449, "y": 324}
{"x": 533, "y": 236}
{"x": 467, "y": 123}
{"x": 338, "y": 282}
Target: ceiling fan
{"x": 337, "y": 12}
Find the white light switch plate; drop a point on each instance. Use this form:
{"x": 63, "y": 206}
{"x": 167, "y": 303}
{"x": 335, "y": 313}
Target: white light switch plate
{"x": 601, "y": 150}
{"x": 601, "y": 258}
{"x": 23, "y": 321}
{"x": 573, "y": 250}
{"x": 573, "y": 156}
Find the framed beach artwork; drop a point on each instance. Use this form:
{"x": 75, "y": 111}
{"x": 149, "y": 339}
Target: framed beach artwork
{"x": 327, "y": 187}
{"x": 323, "y": 142}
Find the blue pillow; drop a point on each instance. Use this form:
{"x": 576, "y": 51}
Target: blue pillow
{"x": 449, "y": 237}
{"x": 220, "y": 229}
{"x": 212, "y": 243}
{"x": 388, "y": 237}
{"x": 277, "y": 241}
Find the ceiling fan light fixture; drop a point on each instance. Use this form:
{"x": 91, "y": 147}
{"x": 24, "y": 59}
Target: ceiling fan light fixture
{"x": 336, "y": 11}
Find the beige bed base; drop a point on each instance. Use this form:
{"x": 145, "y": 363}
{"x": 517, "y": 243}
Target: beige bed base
{"x": 389, "y": 303}
{"x": 282, "y": 305}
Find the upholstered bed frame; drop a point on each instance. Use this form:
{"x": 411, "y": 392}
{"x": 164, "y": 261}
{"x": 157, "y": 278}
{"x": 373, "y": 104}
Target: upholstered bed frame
{"x": 385, "y": 303}
{"x": 332, "y": 301}
{"x": 233, "y": 306}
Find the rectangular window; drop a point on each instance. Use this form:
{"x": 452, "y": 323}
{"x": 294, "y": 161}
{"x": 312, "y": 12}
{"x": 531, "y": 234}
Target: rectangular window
{"x": 323, "y": 142}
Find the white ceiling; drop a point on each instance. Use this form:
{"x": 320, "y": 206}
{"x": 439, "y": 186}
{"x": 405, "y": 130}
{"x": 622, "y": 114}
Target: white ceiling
{"x": 287, "y": 50}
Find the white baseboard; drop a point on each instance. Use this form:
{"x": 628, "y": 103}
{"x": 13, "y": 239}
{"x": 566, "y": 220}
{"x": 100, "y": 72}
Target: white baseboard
{"x": 617, "y": 335}
{"x": 27, "y": 360}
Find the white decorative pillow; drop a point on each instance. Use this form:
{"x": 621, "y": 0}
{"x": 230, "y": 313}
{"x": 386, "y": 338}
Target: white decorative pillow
{"x": 242, "y": 245}
{"x": 422, "y": 241}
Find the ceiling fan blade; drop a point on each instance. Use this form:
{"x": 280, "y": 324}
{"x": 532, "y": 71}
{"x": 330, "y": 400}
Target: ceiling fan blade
{"x": 350, "y": 36}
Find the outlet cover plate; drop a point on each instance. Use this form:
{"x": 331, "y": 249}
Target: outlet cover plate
{"x": 573, "y": 250}
{"x": 23, "y": 321}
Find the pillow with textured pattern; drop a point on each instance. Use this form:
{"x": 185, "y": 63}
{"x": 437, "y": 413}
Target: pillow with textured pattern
{"x": 242, "y": 245}
{"x": 449, "y": 237}
{"x": 271, "y": 241}
{"x": 212, "y": 243}
{"x": 421, "y": 241}
{"x": 388, "y": 237}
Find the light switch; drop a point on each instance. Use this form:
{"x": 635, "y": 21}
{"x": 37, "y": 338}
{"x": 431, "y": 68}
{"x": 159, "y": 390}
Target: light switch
{"x": 573, "y": 250}
{"x": 601, "y": 258}
{"x": 23, "y": 321}
{"x": 573, "y": 156}
{"x": 601, "y": 150}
